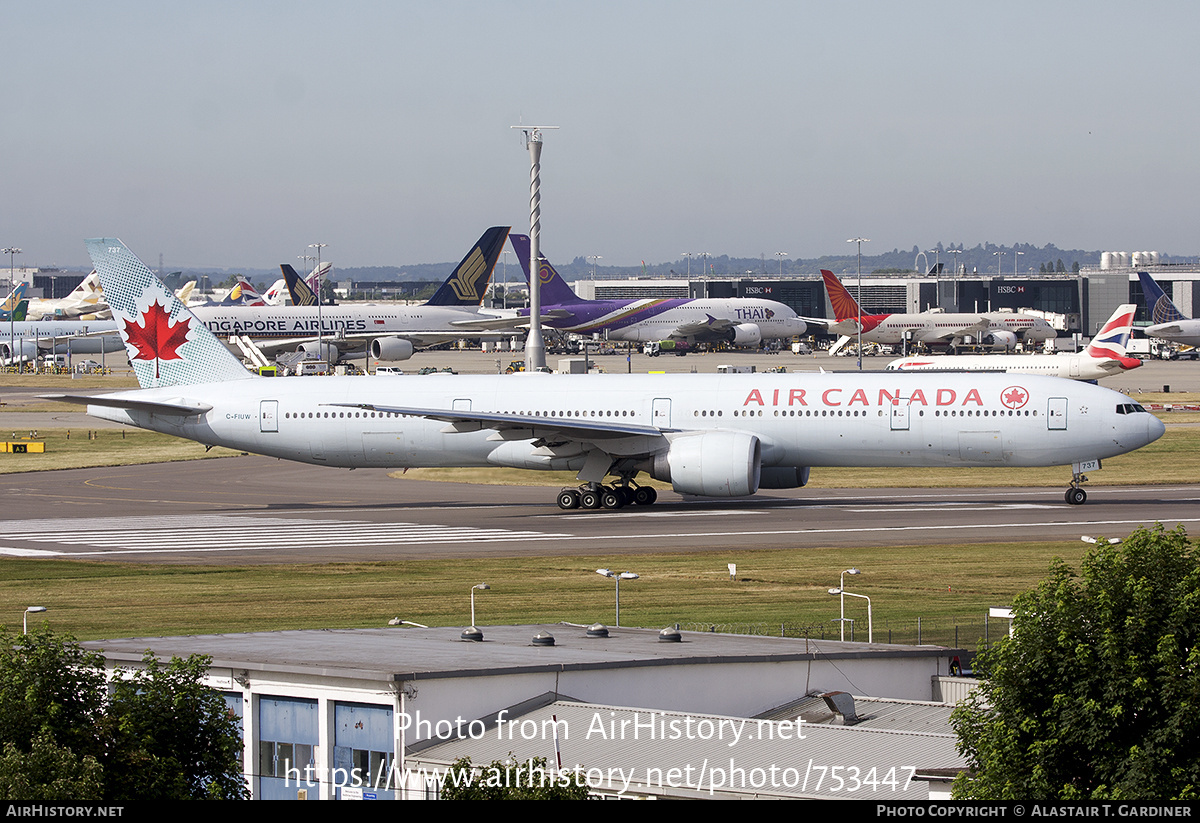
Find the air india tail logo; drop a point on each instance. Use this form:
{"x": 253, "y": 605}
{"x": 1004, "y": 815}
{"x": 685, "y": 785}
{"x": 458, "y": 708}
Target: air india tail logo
{"x": 1014, "y": 397}
{"x": 157, "y": 339}
{"x": 465, "y": 282}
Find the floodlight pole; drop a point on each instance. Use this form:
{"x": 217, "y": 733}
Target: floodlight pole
{"x": 535, "y": 346}
{"x": 859, "y": 319}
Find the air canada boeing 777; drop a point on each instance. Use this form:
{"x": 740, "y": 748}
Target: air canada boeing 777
{"x": 711, "y": 435}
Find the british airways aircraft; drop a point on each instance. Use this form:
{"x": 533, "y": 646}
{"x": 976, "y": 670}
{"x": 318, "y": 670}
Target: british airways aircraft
{"x": 740, "y": 321}
{"x": 714, "y": 435}
{"x": 1104, "y": 356}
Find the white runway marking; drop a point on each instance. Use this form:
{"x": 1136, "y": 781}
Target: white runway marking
{"x": 226, "y": 533}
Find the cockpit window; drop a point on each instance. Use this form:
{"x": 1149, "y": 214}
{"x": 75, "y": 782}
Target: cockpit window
{"x": 1130, "y": 408}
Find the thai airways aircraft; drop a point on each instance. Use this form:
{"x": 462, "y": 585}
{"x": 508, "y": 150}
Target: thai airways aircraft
{"x": 1169, "y": 322}
{"x": 736, "y": 320}
{"x": 390, "y": 331}
{"x": 716, "y": 435}
{"x": 1104, "y": 356}
{"x": 1001, "y": 330}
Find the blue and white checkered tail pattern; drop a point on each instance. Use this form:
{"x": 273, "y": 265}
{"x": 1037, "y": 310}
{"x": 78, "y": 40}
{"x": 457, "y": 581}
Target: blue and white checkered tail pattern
{"x": 167, "y": 345}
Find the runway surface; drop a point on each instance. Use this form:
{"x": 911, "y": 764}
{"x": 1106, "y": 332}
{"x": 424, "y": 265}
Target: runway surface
{"x": 260, "y": 510}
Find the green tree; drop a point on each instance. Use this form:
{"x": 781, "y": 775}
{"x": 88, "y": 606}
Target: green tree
{"x": 172, "y": 737}
{"x": 511, "y": 780}
{"x": 1097, "y": 693}
{"x": 49, "y": 772}
{"x": 159, "y": 732}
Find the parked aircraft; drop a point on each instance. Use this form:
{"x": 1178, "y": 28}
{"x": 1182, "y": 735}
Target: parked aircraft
{"x": 391, "y": 332}
{"x": 86, "y": 302}
{"x": 1169, "y": 322}
{"x": 1001, "y": 330}
{"x": 303, "y": 290}
{"x": 23, "y": 341}
{"x": 16, "y": 305}
{"x": 712, "y": 435}
{"x": 1105, "y": 355}
{"x": 740, "y": 321}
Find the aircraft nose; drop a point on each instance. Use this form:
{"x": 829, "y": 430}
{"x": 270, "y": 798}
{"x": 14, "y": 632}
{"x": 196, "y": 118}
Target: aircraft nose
{"x": 1155, "y": 429}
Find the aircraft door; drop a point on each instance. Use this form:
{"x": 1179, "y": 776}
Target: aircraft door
{"x": 462, "y": 404}
{"x": 1056, "y": 413}
{"x": 268, "y": 416}
{"x": 662, "y": 412}
{"x": 900, "y": 416}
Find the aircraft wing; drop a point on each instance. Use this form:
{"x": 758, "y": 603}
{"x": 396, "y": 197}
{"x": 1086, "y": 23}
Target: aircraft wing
{"x": 980, "y": 325}
{"x": 502, "y": 323}
{"x": 524, "y": 427}
{"x": 712, "y": 328}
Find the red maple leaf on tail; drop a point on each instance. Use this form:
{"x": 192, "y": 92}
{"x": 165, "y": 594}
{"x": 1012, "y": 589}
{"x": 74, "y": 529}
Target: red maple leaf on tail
{"x": 157, "y": 339}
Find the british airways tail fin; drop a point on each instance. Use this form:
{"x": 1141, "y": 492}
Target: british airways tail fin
{"x": 1113, "y": 338}
{"x": 555, "y": 290}
{"x": 845, "y": 307}
{"x": 166, "y": 344}
{"x": 1158, "y": 305}
{"x": 302, "y": 295}
{"x": 467, "y": 284}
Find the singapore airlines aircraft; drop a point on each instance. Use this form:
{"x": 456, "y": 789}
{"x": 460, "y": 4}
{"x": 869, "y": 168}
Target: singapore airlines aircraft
{"x": 390, "y": 331}
{"x": 740, "y": 321}
{"x": 712, "y": 435}
{"x": 1000, "y": 330}
{"x": 1169, "y": 322}
{"x": 1104, "y": 356}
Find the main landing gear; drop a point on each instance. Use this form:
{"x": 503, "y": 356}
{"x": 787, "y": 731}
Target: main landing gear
{"x": 1075, "y": 495}
{"x": 595, "y": 496}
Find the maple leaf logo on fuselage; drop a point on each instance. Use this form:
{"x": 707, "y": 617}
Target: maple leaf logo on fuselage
{"x": 157, "y": 339}
{"x": 1014, "y": 397}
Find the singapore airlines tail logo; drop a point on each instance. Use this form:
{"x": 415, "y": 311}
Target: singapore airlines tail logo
{"x": 468, "y": 280}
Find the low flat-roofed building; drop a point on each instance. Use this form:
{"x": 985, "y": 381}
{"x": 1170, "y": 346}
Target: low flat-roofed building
{"x": 317, "y": 705}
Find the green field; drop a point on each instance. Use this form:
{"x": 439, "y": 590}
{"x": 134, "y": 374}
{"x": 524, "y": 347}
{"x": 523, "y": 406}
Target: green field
{"x": 942, "y": 585}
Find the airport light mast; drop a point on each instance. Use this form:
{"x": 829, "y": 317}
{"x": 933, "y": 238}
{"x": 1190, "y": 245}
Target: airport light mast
{"x": 859, "y": 241}
{"x": 535, "y": 346}
{"x": 320, "y": 322}
{"x": 12, "y": 314}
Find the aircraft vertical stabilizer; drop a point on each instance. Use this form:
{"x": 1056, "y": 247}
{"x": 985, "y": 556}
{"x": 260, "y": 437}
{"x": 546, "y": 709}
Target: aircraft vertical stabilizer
{"x": 555, "y": 290}
{"x": 167, "y": 345}
{"x": 468, "y": 283}
{"x": 845, "y": 307}
{"x": 1159, "y": 306}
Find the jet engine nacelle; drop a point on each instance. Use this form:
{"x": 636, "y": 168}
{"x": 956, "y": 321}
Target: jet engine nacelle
{"x": 1000, "y": 340}
{"x": 391, "y": 348}
{"x": 783, "y": 477}
{"x": 322, "y": 351}
{"x": 23, "y": 351}
{"x": 745, "y": 334}
{"x": 713, "y": 464}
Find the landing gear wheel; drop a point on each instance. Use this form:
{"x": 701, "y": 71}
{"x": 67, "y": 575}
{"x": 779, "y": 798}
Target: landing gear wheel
{"x": 1075, "y": 496}
{"x": 645, "y": 495}
{"x": 568, "y": 499}
{"x": 589, "y": 499}
{"x": 612, "y": 499}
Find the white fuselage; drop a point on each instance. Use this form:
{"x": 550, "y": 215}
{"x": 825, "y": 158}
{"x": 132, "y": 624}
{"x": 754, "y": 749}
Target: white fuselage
{"x": 1184, "y": 332}
{"x": 801, "y": 420}
{"x": 1071, "y": 366}
{"x": 644, "y": 321}
{"x": 290, "y": 322}
{"x": 940, "y": 327}
{"x": 63, "y": 336}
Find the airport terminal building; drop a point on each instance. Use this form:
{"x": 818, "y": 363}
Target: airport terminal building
{"x": 637, "y": 713}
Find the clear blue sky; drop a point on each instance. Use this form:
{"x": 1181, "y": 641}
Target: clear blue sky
{"x": 236, "y": 133}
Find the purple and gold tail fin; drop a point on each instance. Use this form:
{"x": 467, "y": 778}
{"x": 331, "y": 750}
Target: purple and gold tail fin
{"x": 555, "y": 290}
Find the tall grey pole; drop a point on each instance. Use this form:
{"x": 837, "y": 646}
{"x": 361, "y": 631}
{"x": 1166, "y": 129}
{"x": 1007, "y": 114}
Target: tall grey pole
{"x": 535, "y": 346}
